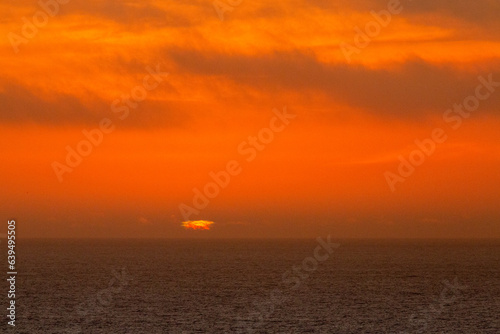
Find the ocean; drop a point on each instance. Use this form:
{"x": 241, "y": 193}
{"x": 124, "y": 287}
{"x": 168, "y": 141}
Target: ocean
{"x": 255, "y": 286}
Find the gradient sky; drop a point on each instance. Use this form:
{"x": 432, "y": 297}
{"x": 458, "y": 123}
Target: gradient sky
{"x": 323, "y": 174}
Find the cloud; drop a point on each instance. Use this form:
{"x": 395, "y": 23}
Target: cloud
{"x": 412, "y": 89}
{"x": 480, "y": 11}
{"x": 127, "y": 13}
{"x": 135, "y": 13}
{"x": 21, "y": 105}
{"x": 218, "y": 62}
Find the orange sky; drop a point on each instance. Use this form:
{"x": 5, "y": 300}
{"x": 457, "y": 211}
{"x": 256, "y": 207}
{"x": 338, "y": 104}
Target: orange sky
{"x": 323, "y": 172}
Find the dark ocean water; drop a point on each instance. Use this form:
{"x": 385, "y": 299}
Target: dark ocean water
{"x": 249, "y": 286}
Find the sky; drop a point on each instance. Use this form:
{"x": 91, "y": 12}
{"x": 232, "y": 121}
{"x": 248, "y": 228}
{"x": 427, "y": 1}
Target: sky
{"x": 358, "y": 119}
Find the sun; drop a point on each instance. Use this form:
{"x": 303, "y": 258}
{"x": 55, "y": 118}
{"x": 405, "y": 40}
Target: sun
{"x": 197, "y": 224}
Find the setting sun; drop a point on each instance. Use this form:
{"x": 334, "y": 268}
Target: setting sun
{"x": 197, "y": 224}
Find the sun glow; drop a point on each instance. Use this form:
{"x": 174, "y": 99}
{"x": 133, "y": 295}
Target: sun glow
{"x": 197, "y": 224}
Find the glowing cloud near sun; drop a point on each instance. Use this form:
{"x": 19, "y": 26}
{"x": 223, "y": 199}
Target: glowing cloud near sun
{"x": 197, "y": 224}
